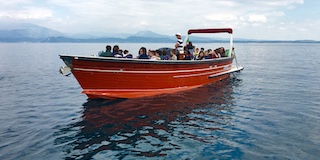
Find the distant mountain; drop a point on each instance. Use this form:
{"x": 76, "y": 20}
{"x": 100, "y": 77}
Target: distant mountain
{"x": 98, "y": 35}
{"x": 26, "y": 32}
{"x": 149, "y": 34}
{"x": 135, "y": 39}
{"x": 82, "y": 40}
{"x": 11, "y": 32}
{"x": 149, "y": 37}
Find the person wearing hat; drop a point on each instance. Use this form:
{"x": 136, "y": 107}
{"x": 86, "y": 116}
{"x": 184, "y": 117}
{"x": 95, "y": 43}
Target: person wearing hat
{"x": 179, "y": 45}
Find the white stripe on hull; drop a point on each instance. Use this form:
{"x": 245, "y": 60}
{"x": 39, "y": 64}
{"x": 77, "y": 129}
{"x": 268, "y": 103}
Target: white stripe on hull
{"x": 151, "y": 72}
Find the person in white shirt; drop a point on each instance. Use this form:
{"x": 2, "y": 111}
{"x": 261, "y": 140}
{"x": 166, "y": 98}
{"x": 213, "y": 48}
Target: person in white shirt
{"x": 179, "y": 46}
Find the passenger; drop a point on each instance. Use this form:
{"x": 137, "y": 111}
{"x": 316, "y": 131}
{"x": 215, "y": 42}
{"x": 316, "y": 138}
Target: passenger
{"x": 227, "y": 52}
{"x": 212, "y": 54}
{"x": 118, "y": 55}
{"x": 154, "y": 55}
{"x": 143, "y": 53}
{"x": 179, "y": 47}
{"x": 179, "y": 44}
{"x": 222, "y": 52}
{"x": 157, "y": 54}
{"x": 164, "y": 55}
{"x": 188, "y": 55}
{"x": 196, "y": 52}
{"x": 173, "y": 55}
{"x": 206, "y": 55}
{"x": 182, "y": 55}
{"x": 149, "y": 53}
{"x": 190, "y": 47}
{"x": 127, "y": 54}
{"x": 200, "y": 56}
{"x": 216, "y": 55}
{"x": 115, "y": 52}
{"x": 121, "y": 52}
{"x": 202, "y": 49}
{"x": 107, "y": 53}
{"x": 217, "y": 52}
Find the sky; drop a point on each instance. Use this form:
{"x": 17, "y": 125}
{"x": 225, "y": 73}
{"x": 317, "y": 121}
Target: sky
{"x": 250, "y": 19}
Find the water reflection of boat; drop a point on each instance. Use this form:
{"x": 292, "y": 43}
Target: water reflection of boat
{"x": 110, "y": 78}
{"x": 151, "y": 126}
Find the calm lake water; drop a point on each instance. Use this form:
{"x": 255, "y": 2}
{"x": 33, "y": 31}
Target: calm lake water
{"x": 271, "y": 110}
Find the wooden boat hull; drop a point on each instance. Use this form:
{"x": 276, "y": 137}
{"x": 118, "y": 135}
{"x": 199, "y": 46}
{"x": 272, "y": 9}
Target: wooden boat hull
{"x": 112, "y": 78}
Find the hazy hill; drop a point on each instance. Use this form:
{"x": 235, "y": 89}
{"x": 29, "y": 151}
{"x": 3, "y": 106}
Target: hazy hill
{"x": 26, "y": 30}
{"x": 149, "y": 34}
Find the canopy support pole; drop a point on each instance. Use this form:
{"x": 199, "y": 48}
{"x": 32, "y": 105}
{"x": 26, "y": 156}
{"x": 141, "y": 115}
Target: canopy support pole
{"x": 231, "y": 45}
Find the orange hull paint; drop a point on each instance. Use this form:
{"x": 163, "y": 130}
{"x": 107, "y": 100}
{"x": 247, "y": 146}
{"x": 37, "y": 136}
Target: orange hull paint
{"x": 112, "y": 78}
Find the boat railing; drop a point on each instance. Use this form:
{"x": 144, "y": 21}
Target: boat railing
{"x": 97, "y": 58}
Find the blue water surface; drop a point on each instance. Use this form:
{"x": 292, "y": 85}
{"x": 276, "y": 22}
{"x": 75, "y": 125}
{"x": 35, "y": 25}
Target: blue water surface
{"x": 271, "y": 110}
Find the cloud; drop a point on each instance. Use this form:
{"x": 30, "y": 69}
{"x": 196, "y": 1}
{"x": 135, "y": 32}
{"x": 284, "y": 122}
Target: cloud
{"x": 276, "y": 3}
{"x": 254, "y": 18}
{"x": 6, "y": 3}
{"x": 161, "y": 16}
{"x": 27, "y": 13}
{"x": 221, "y": 17}
{"x": 23, "y": 10}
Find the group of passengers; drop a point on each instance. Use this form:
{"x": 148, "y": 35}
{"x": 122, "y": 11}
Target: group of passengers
{"x": 116, "y": 52}
{"x": 180, "y": 52}
{"x": 209, "y": 54}
{"x": 156, "y": 54}
{"x": 143, "y": 53}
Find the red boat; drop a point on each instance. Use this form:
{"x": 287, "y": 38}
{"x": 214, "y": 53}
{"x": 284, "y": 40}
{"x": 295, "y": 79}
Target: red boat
{"x": 111, "y": 78}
